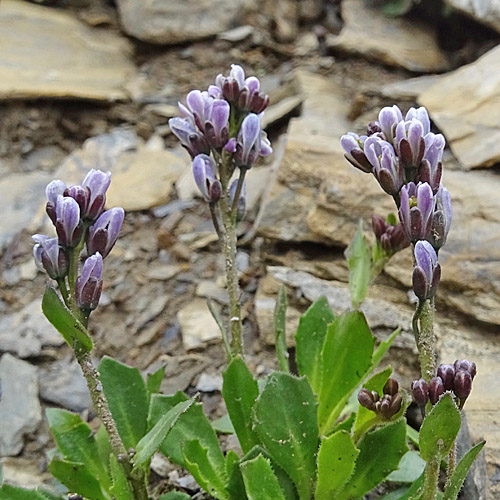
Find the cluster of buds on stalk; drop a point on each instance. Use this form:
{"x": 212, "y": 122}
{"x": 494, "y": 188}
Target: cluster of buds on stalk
{"x": 406, "y": 159}
{"x": 390, "y": 235}
{"x": 78, "y": 215}
{"x": 456, "y": 378}
{"x": 221, "y": 130}
{"x": 385, "y": 406}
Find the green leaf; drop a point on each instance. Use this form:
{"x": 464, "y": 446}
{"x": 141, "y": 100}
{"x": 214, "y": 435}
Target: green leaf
{"x": 280, "y": 330}
{"x": 383, "y": 348}
{"x": 62, "y": 319}
{"x": 412, "y": 435}
{"x": 346, "y": 425}
{"x": 12, "y": 493}
{"x": 260, "y": 481}
{"x": 336, "y": 460}
{"x": 240, "y": 390}
{"x": 77, "y": 444}
{"x": 103, "y": 446}
{"x": 48, "y": 495}
{"x": 396, "y": 8}
{"x": 193, "y": 424}
{"x": 286, "y": 423}
{"x": 127, "y": 397}
{"x": 410, "y": 469}
{"x": 380, "y": 452}
{"x": 154, "y": 380}
{"x": 310, "y": 338}
{"x": 201, "y": 467}
{"x": 359, "y": 259}
{"x": 152, "y": 441}
{"x": 439, "y": 429}
{"x": 223, "y": 425}
{"x": 175, "y": 495}
{"x": 457, "y": 479}
{"x": 121, "y": 488}
{"x": 78, "y": 479}
{"x": 346, "y": 358}
{"x": 375, "y": 383}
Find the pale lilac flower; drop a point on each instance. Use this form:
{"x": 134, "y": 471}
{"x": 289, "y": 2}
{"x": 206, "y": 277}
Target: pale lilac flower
{"x": 49, "y": 256}
{"x": 388, "y": 118}
{"x": 68, "y": 225}
{"x": 386, "y": 166}
{"x": 53, "y": 190}
{"x": 104, "y": 232}
{"x": 204, "y": 176}
{"x": 427, "y": 272}
{"x": 189, "y": 137}
{"x": 217, "y": 124}
{"x": 416, "y": 210}
{"x": 89, "y": 283}
{"x": 422, "y": 116}
{"x": 441, "y": 218}
{"x": 97, "y": 183}
{"x": 430, "y": 169}
{"x": 250, "y": 143}
{"x": 353, "y": 145}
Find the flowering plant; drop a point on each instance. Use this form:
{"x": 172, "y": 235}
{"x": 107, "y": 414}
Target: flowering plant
{"x": 335, "y": 429}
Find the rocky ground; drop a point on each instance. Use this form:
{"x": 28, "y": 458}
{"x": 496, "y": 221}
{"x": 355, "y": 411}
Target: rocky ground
{"x": 92, "y": 84}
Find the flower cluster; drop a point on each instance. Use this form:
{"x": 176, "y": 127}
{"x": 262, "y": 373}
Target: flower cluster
{"x": 390, "y": 237}
{"x": 78, "y": 215}
{"x": 456, "y": 378}
{"x": 405, "y": 158}
{"x": 223, "y": 123}
{"x": 386, "y": 406}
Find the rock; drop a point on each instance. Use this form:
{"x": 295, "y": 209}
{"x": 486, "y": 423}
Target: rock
{"x": 408, "y": 89}
{"x": 49, "y": 53}
{"x": 369, "y": 33}
{"x": 63, "y": 384}
{"x": 26, "y": 332}
{"x": 21, "y": 196}
{"x": 20, "y": 411}
{"x": 197, "y": 324}
{"x": 237, "y": 34}
{"x": 24, "y": 473}
{"x": 209, "y": 383}
{"x": 177, "y": 21}
{"x": 163, "y": 272}
{"x": 484, "y": 11}
{"x": 181, "y": 370}
{"x": 25, "y": 271}
{"x": 465, "y": 105}
{"x": 211, "y": 290}
{"x": 280, "y": 110}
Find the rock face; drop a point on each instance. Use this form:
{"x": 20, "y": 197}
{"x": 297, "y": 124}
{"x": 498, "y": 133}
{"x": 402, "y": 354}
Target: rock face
{"x": 49, "y": 53}
{"x": 484, "y": 11}
{"x": 197, "y": 324}
{"x": 368, "y": 32}
{"x": 175, "y": 21}
{"x": 465, "y": 105}
{"x": 20, "y": 411}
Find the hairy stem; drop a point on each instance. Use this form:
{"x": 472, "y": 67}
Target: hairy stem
{"x": 451, "y": 462}
{"x": 431, "y": 480}
{"x": 239, "y": 187}
{"x": 101, "y": 407}
{"x": 427, "y": 342}
{"x": 215, "y": 220}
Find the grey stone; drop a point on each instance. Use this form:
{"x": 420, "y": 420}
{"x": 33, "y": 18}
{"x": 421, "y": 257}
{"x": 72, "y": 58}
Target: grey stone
{"x": 27, "y": 332}
{"x": 209, "y": 383}
{"x": 47, "y": 52}
{"x": 484, "y": 11}
{"x": 197, "y": 324}
{"x": 20, "y": 411}
{"x": 175, "y": 21}
{"x": 64, "y": 384}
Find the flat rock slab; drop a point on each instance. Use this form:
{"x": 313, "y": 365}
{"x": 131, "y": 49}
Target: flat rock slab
{"x": 20, "y": 411}
{"x": 175, "y": 21}
{"x": 465, "y": 105}
{"x": 49, "y": 53}
{"x": 27, "y": 332}
{"x": 197, "y": 324}
{"x": 484, "y": 11}
{"x": 369, "y": 33}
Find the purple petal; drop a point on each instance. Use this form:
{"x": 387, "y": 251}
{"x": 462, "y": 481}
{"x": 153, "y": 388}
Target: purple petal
{"x": 238, "y": 74}
{"x": 252, "y": 84}
{"x": 54, "y": 189}
{"x": 230, "y": 146}
{"x": 68, "y": 213}
{"x": 415, "y": 132}
{"x": 220, "y": 115}
{"x": 422, "y": 116}
{"x": 203, "y": 172}
{"x": 98, "y": 182}
{"x": 388, "y": 118}
{"x": 425, "y": 201}
{"x": 404, "y": 209}
{"x": 196, "y": 102}
{"x": 425, "y": 258}
{"x": 265, "y": 145}
{"x": 249, "y": 134}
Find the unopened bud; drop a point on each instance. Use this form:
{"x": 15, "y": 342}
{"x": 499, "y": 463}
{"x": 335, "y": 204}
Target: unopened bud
{"x": 391, "y": 387}
{"x": 436, "y": 389}
{"x": 462, "y": 385}
{"x": 366, "y": 400}
{"x": 446, "y": 373}
{"x": 467, "y": 366}
{"x": 420, "y": 391}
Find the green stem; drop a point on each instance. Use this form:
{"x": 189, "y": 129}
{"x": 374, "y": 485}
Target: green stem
{"x": 215, "y": 220}
{"x": 431, "y": 478}
{"x": 426, "y": 342}
{"x": 239, "y": 187}
{"x": 451, "y": 463}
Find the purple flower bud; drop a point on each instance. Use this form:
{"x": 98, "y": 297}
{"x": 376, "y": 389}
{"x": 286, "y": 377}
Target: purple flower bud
{"x": 68, "y": 225}
{"x": 384, "y": 407}
{"x": 441, "y": 218}
{"x": 203, "y": 171}
{"x": 416, "y": 210}
{"x": 241, "y": 206}
{"x": 97, "y": 183}
{"x": 217, "y": 124}
{"x": 189, "y": 137}
{"x": 353, "y": 146}
{"x": 388, "y": 118}
{"x": 396, "y": 402}
{"x": 427, "y": 272}
{"x": 386, "y": 166}
{"x": 422, "y": 116}
{"x": 104, "y": 232}
{"x": 49, "y": 256}
{"x": 199, "y": 107}
{"x": 391, "y": 387}
{"x": 430, "y": 169}
{"x": 436, "y": 389}
{"x": 81, "y": 195}
{"x": 248, "y": 145}
{"x": 462, "y": 385}
{"x": 366, "y": 400}
{"x": 410, "y": 143}
{"x": 447, "y": 374}
{"x": 420, "y": 391}
{"x": 89, "y": 283}
{"x": 373, "y": 128}
{"x": 465, "y": 365}
{"x": 379, "y": 226}
{"x": 53, "y": 190}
